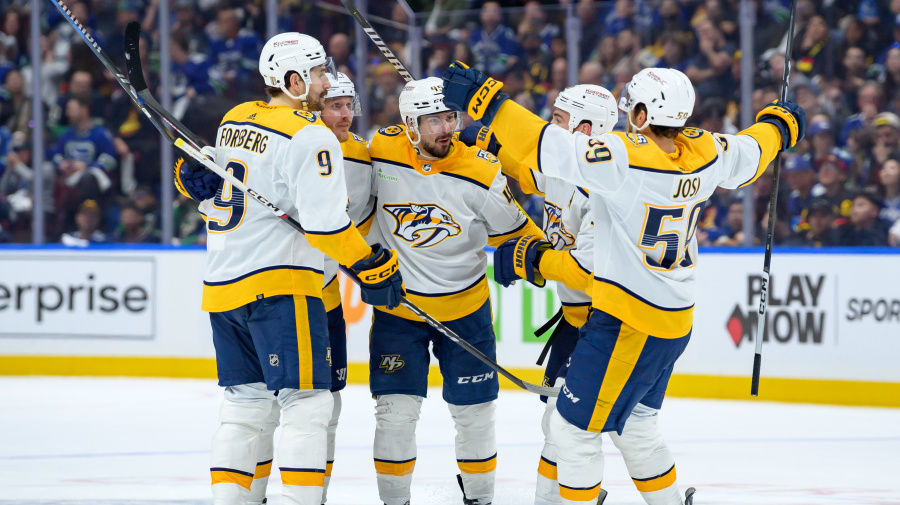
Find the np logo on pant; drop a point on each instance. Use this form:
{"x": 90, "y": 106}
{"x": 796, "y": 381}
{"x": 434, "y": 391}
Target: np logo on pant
{"x": 391, "y": 363}
{"x": 273, "y": 359}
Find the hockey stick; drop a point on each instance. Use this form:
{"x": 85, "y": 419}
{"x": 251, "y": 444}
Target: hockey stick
{"x": 385, "y": 50}
{"x": 145, "y": 100}
{"x": 770, "y": 230}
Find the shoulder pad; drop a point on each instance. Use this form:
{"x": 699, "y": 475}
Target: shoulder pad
{"x": 391, "y": 131}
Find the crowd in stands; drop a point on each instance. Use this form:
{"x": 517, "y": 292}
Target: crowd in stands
{"x": 839, "y": 187}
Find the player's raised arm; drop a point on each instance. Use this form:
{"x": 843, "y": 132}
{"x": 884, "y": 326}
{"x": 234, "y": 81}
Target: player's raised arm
{"x": 745, "y": 156}
{"x": 530, "y": 180}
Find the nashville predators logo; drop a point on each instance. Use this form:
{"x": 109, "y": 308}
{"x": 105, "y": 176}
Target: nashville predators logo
{"x": 554, "y": 229}
{"x": 423, "y": 224}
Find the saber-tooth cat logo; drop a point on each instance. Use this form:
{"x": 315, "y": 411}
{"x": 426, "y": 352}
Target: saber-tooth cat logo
{"x": 798, "y": 316}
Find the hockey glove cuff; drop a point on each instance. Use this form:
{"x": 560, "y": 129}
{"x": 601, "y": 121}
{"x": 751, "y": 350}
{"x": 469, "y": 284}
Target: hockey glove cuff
{"x": 470, "y": 90}
{"x": 480, "y": 137}
{"x": 195, "y": 181}
{"x": 518, "y": 259}
{"x": 789, "y": 118}
{"x": 379, "y": 278}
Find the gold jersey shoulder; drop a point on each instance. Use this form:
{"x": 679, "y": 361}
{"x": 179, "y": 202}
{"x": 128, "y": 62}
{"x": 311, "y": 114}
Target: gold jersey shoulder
{"x": 390, "y": 144}
{"x": 355, "y": 148}
{"x": 280, "y": 120}
{"x": 696, "y": 150}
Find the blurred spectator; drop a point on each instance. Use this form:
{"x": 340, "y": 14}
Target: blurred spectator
{"x": 869, "y": 100}
{"x": 865, "y": 227}
{"x": 387, "y": 83}
{"x": 132, "y": 228}
{"x": 87, "y": 222}
{"x": 591, "y": 27}
{"x": 438, "y": 62}
{"x": 670, "y": 18}
{"x": 591, "y": 73}
{"x": 190, "y": 74}
{"x": 559, "y": 74}
{"x": 85, "y": 158}
{"x": 815, "y": 52}
{"x": 17, "y": 181}
{"x": 145, "y": 200}
{"x": 712, "y": 116}
{"x": 234, "y": 55}
{"x": 493, "y": 43}
{"x": 710, "y": 69}
{"x": 443, "y": 19}
{"x": 53, "y": 70}
{"x": 854, "y": 69}
{"x": 889, "y": 177}
{"x": 339, "y": 51}
{"x": 673, "y": 52}
{"x": 821, "y": 139}
{"x": 887, "y": 130}
{"x": 732, "y": 231}
{"x": 80, "y": 85}
{"x": 535, "y": 20}
{"x": 15, "y": 108}
{"x": 190, "y": 227}
{"x": 536, "y": 60}
{"x": 12, "y": 38}
{"x": 832, "y": 174}
{"x": 801, "y": 178}
{"x": 188, "y": 21}
{"x": 817, "y": 229}
{"x": 621, "y": 17}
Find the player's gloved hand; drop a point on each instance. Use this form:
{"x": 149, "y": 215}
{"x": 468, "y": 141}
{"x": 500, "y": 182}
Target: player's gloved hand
{"x": 470, "y": 90}
{"x": 518, "y": 258}
{"x": 480, "y": 137}
{"x": 789, "y": 118}
{"x": 197, "y": 181}
{"x": 379, "y": 278}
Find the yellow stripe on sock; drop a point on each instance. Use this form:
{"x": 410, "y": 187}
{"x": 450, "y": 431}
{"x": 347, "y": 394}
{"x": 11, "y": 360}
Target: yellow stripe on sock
{"x": 228, "y": 476}
{"x": 397, "y": 468}
{"x": 477, "y": 466}
{"x": 328, "y": 469}
{"x": 656, "y": 483}
{"x": 302, "y": 477}
{"x": 263, "y": 470}
{"x": 579, "y": 493}
{"x": 547, "y": 469}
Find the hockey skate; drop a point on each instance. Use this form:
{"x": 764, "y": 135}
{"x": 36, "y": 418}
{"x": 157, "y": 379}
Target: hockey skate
{"x": 467, "y": 501}
{"x": 602, "y": 497}
{"x": 689, "y": 496}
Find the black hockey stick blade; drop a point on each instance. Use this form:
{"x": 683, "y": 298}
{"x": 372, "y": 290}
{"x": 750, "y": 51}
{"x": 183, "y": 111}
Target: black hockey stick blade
{"x": 350, "y": 5}
{"x": 135, "y": 70}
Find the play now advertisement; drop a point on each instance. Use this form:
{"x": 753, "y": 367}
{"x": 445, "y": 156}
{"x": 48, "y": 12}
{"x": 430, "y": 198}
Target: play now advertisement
{"x": 830, "y": 316}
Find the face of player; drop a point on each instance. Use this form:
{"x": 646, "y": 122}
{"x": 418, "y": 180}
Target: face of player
{"x": 338, "y": 116}
{"x": 317, "y": 88}
{"x": 436, "y": 131}
{"x": 560, "y": 118}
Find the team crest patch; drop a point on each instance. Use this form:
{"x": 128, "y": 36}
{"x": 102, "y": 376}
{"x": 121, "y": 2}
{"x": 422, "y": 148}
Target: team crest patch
{"x": 554, "y": 229}
{"x": 423, "y": 224}
{"x": 391, "y": 363}
{"x": 273, "y": 359}
{"x": 309, "y": 116}
{"x": 391, "y": 131}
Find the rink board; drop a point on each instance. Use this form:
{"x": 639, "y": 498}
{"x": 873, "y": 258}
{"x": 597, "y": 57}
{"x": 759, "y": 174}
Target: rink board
{"x": 832, "y": 336}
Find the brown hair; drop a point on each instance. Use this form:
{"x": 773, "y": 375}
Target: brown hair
{"x": 669, "y": 132}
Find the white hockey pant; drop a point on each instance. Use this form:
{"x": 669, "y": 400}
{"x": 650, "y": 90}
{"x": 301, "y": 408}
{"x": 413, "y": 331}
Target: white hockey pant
{"x": 547, "y": 491}
{"x": 264, "y": 455}
{"x": 649, "y": 461}
{"x": 476, "y": 448}
{"x": 332, "y": 430}
{"x": 244, "y": 414}
{"x": 267, "y": 450}
{"x": 395, "y": 445}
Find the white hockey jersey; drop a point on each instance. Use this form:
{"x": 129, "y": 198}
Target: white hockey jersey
{"x": 439, "y": 216}
{"x": 645, "y": 205}
{"x": 567, "y": 226}
{"x": 292, "y": 159}
{"x": 358, "y": 175}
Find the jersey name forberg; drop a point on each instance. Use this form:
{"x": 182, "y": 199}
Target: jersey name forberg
{"x": 243, "y": 138}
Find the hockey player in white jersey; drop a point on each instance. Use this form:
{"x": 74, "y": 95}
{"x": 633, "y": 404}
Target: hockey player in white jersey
{"x": 439, "y": 204}
{"x": 647, "y": 189}
{"x": 340, "y": 105}
{"x": 591, "y": 110}
{"x": 264, "y": 281}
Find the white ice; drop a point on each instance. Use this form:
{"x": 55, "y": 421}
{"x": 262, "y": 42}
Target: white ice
{"x": 130, "y": 441}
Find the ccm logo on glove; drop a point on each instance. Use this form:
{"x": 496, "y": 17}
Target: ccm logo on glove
{"x": 384, "y": 274}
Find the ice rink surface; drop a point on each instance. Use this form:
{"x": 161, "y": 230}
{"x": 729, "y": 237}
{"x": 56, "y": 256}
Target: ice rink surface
{"x": 146, "y": 441}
